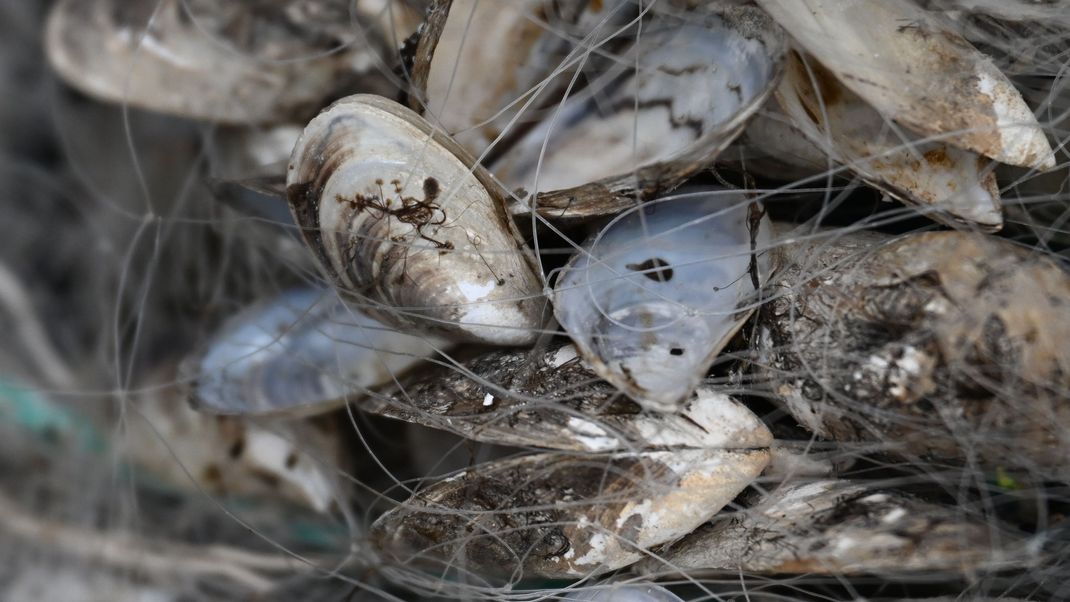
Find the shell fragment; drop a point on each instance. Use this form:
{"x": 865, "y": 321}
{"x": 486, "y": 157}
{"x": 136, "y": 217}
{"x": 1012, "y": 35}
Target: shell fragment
{"x": 951, "y": 184}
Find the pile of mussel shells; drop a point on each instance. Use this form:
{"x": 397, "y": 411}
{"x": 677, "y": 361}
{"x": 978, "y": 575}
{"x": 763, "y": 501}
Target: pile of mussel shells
{"x": 704, "y": 383}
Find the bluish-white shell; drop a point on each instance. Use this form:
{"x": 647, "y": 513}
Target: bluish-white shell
{"x": 677, "y": 96}
{"x": 651, "y": 299}
{"x": 298, "y": 353}
{"x": 623, "y": 592}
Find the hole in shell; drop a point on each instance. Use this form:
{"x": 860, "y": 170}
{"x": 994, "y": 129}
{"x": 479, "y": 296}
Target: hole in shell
{"x": 655, "y": 268}
{"x": 676, "y": 351}
{"x": 237, "y": 448}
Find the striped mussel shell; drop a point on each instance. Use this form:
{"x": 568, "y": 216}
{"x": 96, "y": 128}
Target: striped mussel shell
{"x": 408, "y": 228}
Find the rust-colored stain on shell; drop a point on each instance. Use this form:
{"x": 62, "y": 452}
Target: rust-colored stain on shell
{"x": 937, "y": 157}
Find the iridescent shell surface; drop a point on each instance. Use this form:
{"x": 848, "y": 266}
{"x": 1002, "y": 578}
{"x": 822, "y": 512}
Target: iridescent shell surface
{"x": 679, "y": 95}
{"x": 301, "y": 352}
{"x": 653, "y": 298}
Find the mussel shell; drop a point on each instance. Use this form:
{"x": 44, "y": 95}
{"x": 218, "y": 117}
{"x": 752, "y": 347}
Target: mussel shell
{"x": 226, "y": 455}
{"x": 834, "y": 527}
{"x": 917, "y": 71}
{"x": 163, "y": 57}
{"x": 946, "y": 344}
{"x": 653, "y": 298}
{"x": 554, "y": 400}
{"x": 673, "y": 101}
{"x": 952, "y": 185}
{"x": 403, "y": 223}
{"x": 302, "y": 352}
{"x": 466, "y": 46}
{"x": 560, "y": 515}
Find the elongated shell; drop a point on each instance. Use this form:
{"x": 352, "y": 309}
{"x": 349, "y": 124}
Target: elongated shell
{"x": 225, "y": 455}
{"x": 299, "y": 353}
{"x": 174, "y": 58}
{"x": 952, "y": 185}
{"x": 946, "y": 344}
{"x": 913, "y": 69}
{"x": 833, "y": 527}
{"x": 560, "y": 515}
{"x": 401, "y": 223}
{"x": 555, "y": 401}
{"x": 623, "y": 592}
{"x": 653, "y": 298}
{"x": 484, "y": 68}
{"x": 677, "y": 97}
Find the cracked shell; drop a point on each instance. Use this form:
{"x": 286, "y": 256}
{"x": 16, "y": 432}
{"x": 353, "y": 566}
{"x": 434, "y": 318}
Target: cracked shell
{"x": 560, "y": 515}
{"x": 302, "y": 352}
{"x": 406, "y": 227}
{"x": 653, "y": 298}
{"x": 948, "y": 345}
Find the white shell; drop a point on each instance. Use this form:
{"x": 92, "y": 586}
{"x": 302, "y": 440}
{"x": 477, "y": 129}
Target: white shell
{"x": 913, "y": 69}
{"x": 303, "y": 351}
{"x": 951, "y": 184}
{"x": 623, "y": 592}
{"x": 112, "y": 50}
{"x": 1047, "y": 11}
{"x": 555, "y": 401}
{"x": 561, "y": 515}
{"x": 654, "y": 297}
{"x": 401, "y": 222}
{"x": 231, "y": 456}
